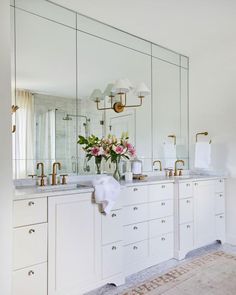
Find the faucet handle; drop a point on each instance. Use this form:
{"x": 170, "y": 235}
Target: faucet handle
{"x": 63, "y": 180}
{"x": 42, "y": 180}
{"x": 32, "y": 175}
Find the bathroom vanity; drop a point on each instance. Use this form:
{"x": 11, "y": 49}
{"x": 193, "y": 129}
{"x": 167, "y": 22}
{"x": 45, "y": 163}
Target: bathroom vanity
{"x": 63, "y": 245}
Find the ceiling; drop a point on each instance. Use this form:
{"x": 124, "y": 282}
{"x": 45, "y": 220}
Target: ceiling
{"x": 187, "y": 26}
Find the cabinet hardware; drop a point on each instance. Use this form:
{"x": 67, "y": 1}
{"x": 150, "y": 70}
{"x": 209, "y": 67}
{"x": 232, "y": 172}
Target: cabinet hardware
{"x": 163, "y": 239}
{"x": 31, "y": 273}
{"x": 135, "y": 228}
{"x": 221, "y": 195}
{"x": 188, "y": 226}
{"x": 163, "y": 204}
{"x": 135, "y": 189}
{"x": 31, "y": 203}
{"x": 163, "y": 186}
{"x": 113, "y": 215}
{"x": 31, "y": 231}
{"x": 221, "y": 216}
{"x": 195, "y": 184}
{"x": 163, "y": 221}
{"x": 135, "y": 247}
{"x": 220, "y": 180}
{"x": 135, "y": 208}
{"x": 113, "y": 248}
{"x": 187, "y": 184}
{"x": 188, "y": 201}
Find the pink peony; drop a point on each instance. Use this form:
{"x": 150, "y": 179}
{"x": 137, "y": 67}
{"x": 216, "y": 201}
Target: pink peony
{"x": 118, "y": 149}
{"x": 95, "y": 151}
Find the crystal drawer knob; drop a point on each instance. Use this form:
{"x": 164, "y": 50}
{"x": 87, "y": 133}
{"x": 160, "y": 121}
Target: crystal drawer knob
{"x": 188, "y": 226}
{"x": 163, "y": 221}
{"x": 135, "y": 208}
{"x": 31, "y": 203}
{"x": 163, "y": 204}
{"x": 113, "y": 215}
{"x": 113, "y": 248}
{"x": 31, "y": 231}
{"x": 163, "y": 239}
{"x": 163, "y": 186}
{"x": 135, "y": 189}
{"x": 31, "y": 273}
{"x": 135, "y": 228}
{"x": 135, "y": 247}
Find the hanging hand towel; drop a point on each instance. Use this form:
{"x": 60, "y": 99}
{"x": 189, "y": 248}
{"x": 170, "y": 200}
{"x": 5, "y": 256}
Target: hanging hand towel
{"x": 202, "y": 155}
{"x": 107, "y": 191}
{"x": 169, "y": 154}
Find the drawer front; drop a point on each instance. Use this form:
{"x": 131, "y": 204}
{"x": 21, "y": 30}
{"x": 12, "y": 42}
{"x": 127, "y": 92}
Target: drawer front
{"x": 135, "y": 195}
{"x": 29, "y": 245}
{"x": 220, "y": 227}
{"x": 161, "y": 209}
{"x": 185, "y": 210}
{"x": 186, "y": 236}
{"x": 219, "y": 203}
{"x": 30, "y": 281}
{"x": 135, "y": 213}
{"x": 136, "y": 232}
{"x": 160, "y": 192}
{"x": 112, "y": 260}
{"x": 220, "y": 185}
{"x": 112, "y": 229}
{"x": 161, "y": 226}
{"x": 185, "y": 189}
{"x": 27, "y": 212}
{"x": 162, "y": 247}
{"x": 136, "y": 252}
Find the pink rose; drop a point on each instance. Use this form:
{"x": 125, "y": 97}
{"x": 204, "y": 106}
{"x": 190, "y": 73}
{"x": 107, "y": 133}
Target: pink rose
{"x": 95, "y": 151}
{"x": 118, "y": 149}
{"x": 132, "y": 152}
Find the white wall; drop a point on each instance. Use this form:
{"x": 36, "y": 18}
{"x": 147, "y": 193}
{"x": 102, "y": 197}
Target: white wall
{"x": 5, "y": 152}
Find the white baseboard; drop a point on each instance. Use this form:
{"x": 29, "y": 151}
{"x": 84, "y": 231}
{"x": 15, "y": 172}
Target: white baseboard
{"x": 231, "y": 239}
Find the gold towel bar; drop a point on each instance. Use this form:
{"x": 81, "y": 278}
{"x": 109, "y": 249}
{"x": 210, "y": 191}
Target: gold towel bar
{"x": 205, "y": 133}
{"x": 173, "y": 136}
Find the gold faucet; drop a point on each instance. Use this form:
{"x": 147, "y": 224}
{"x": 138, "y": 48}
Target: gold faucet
{"x": 176, "y": 170}
{"x": 157, "y": 161}
{"x": 54, "y": 182}
{"x": 42, "y": 173}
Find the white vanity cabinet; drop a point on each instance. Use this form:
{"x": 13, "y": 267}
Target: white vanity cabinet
{"x": 148, "y": 225}
{"x": 30, "y": 247}
{"x": 199, "y": 214}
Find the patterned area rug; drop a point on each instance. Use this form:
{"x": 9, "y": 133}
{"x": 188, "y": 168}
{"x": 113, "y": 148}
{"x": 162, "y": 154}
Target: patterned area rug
{"x": 211, "y": 274}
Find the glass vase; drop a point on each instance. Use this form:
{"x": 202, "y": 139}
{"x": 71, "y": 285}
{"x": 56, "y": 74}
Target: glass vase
{"x": 98, "y": 163}
{"x": 117, "y": 174}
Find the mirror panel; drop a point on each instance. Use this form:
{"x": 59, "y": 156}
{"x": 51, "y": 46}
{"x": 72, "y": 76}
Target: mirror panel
{"x": 107, "y": 32}
{"x": 45, "y": 87}
{"x": 49, "y": 11}
{"x": 166, "y": 54}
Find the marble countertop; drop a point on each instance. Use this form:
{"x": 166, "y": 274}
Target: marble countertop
{"x": 28, "y": 192}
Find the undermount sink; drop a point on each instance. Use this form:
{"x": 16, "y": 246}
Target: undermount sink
{"x": 58, "y": 187}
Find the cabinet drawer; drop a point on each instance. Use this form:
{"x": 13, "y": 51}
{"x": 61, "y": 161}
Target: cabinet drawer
{"x": 162, "y": 247}
{"x": 219, "y": 203}
{"x": 185, "y": 210}
{"x": 135, "y": 252}
{"x": 27, "y": 212}
{"x": 160, "y": 209}
{"x": 112, "y": 228}
{"x": 220, "y": 227}
{"x": 112, "y": 260}
{"x": 185, "y": 189}
{"x": 161, "y": 226}
{"x": 135, "y": 195}
{"x": 136, "y": 232}
{"x": 135, "y": 213}
{"x": 219, "y": 185}
{"x": 160, "y": 192}
{"x": 186, "y": 236}
{"x": 29, "y": 245}
{"x": 30, "y": 281}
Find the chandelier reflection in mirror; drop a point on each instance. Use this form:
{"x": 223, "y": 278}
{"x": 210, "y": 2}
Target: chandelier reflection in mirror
{"x": 117, "y": 93}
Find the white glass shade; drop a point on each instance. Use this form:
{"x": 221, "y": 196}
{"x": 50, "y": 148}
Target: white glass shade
{"x": 142, "y": 90}
{"x": 96, "y": 95}
{"x": 128, "y": 84}
{"x": 120, "y": 86}
{"x": 109, "y": 90}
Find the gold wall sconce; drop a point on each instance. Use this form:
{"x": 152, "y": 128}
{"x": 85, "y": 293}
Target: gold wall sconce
{"x": 14, "y": 108}
{"x": 118, "y": 95}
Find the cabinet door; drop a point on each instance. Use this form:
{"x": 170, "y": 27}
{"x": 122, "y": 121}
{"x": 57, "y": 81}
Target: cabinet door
{"x": 74, "y": 244}
{"x": 185, "y": 210}
{"x": 204, "y": 213}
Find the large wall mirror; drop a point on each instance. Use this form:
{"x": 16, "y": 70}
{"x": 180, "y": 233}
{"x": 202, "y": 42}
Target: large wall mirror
{"x": 59, "y": 58}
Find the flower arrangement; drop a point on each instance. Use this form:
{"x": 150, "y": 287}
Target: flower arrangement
{"x": 109, "y": 147}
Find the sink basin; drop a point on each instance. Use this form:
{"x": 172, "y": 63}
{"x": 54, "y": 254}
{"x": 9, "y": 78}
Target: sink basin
{"x": 53, "y": 188}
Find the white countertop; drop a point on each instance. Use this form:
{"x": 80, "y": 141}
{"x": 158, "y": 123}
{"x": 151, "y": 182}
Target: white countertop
{"x": 73, "y": 188}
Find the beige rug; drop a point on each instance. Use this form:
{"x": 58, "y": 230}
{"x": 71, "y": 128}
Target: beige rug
{"x": 211, "y": 274}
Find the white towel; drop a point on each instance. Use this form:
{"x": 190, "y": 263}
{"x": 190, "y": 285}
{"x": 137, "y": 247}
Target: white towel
{"x": 170, "y": 157}
{"x": 107, "y": 190}
{"x": 202, "y": 155}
